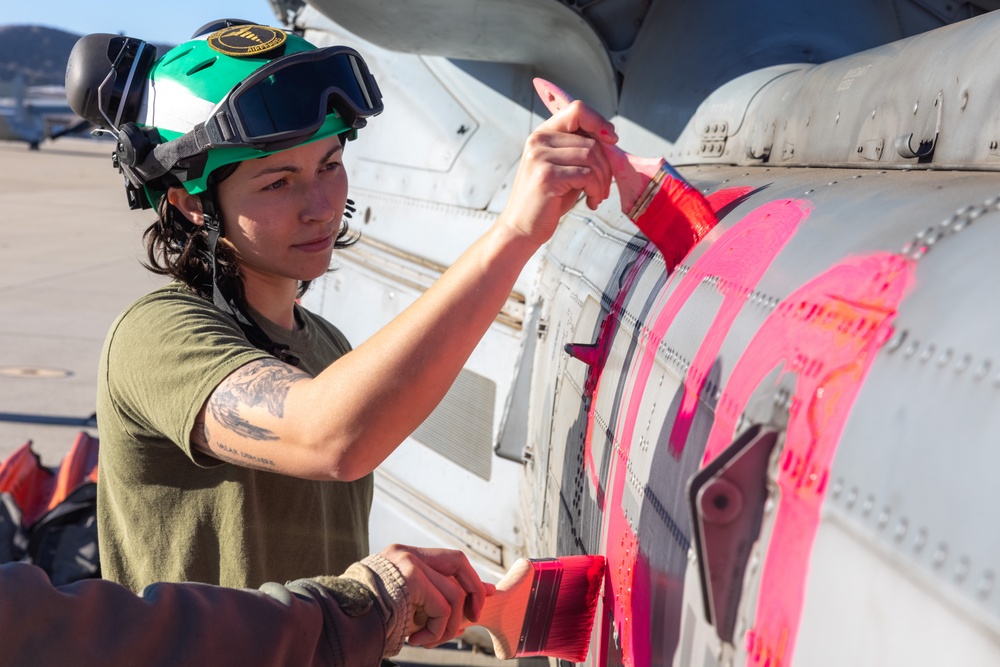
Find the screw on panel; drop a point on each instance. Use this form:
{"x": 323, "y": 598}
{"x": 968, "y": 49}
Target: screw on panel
{"x": 940, "y": 555}
{"x": 963, "y": 364}
{"x": 901, "y": 528}
{"x": 896, "y": 341}
{"x": 962, "y": 569}
{"x": 927, "y": 354}
{"x": 985, "y": 585}
{"x": 921, "y": 540}
{"x": 983, "y": 370}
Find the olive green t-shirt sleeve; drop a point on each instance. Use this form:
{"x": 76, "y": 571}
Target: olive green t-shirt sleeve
{"x": 165, "y": 356}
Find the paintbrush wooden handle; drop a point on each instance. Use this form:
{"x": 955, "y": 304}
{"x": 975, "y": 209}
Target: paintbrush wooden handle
{"x": 503, "y": 612}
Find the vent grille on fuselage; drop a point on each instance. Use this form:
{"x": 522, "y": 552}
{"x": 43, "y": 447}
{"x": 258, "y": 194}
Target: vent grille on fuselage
{"x": 461, "y": 427}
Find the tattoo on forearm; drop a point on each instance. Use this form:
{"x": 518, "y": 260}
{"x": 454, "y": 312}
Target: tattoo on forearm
{"x": 261, "y": 384}
{"x": 264, "y": 383}
{"x": 243, "y": 459}
{"x": 229, "y": 418}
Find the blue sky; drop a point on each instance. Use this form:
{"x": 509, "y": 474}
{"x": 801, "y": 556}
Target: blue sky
{"x": 160, "y": 22}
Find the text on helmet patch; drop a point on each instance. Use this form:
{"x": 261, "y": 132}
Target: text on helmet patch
{"x": 246, "y": 40}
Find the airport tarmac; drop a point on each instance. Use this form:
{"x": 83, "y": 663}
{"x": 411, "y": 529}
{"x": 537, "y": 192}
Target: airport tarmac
{"x": 70, "y": 252}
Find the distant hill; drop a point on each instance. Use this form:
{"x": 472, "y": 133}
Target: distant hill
{"x": 37, "y": 52}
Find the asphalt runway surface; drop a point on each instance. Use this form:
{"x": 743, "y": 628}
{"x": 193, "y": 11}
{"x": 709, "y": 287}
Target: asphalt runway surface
{"x": 70, "y": 252}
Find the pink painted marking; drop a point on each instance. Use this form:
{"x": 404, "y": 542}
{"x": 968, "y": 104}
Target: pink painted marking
{"x": 828, "y": 333}
{"x": 717, "y": 201}
{"x": 604, "y": 337}
{"x": 739, "y": 263}
{"x": 740, "y": 255}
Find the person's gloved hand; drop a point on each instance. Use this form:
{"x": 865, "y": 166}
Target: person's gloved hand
{"x": 444, "y": 589}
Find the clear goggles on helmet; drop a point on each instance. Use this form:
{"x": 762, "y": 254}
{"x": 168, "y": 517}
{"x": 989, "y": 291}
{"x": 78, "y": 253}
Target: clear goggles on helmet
{"x": 287, "y": 100}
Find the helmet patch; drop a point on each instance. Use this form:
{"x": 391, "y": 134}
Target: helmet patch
{"x": 241, "y": 41}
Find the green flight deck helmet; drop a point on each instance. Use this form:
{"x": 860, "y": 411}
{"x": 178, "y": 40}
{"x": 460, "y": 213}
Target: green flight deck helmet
{"x": 233, "y": 92}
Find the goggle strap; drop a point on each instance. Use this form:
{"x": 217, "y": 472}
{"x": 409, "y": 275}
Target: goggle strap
{"x": 166, "y": 156}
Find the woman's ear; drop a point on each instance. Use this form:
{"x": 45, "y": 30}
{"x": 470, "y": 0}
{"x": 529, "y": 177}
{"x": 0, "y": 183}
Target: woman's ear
{"x": 188, "y": 204}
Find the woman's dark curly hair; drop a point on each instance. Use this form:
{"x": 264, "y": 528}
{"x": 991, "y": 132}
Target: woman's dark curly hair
{"x": 177, "y": 247}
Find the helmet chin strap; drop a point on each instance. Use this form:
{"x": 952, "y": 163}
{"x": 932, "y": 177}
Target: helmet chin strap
{"x": 255, "y": 335}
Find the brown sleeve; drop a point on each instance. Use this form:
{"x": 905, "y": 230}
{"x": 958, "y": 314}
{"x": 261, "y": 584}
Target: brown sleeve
{"x": 96, "y": 622}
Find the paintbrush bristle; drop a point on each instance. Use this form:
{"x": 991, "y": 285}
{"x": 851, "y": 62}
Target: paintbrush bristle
{"x": 675, "y": 217}
{"x": 545, "y": 607}
{"x": 560, "y": 611}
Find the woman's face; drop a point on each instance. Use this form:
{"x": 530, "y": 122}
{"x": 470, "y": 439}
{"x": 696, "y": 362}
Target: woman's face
{"x": 282, "y": 212}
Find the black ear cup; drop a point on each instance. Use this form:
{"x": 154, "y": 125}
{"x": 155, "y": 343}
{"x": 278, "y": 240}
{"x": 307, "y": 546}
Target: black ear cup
{"x": 106, "y": 78}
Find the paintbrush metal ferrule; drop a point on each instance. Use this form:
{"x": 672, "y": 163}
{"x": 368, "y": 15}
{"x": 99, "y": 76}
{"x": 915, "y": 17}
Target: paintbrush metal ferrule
{"x": 648, "y": 194}
{"x": 541, "y": 605}
{"x": 652, "y": 188}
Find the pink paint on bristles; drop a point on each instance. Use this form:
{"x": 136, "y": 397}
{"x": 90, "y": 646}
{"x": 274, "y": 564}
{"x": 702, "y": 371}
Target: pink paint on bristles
{"x": 671, "y": 213}
{"x": 545, "y": 607}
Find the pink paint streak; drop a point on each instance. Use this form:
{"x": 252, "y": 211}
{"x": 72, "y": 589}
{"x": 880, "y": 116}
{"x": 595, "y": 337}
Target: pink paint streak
{"x": 739, "y": 260}
{"x": 753, "y": 242}
{"x": 597, "y": 356}
{"x": 828, "y": 333}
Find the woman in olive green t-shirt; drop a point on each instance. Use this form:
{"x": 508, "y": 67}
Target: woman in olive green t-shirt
{"x": 239, "y": 431}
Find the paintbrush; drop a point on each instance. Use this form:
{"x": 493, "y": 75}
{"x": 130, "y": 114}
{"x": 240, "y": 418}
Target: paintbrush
{"x": 664, "y": 206}
{"x": 545, "y": 607}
